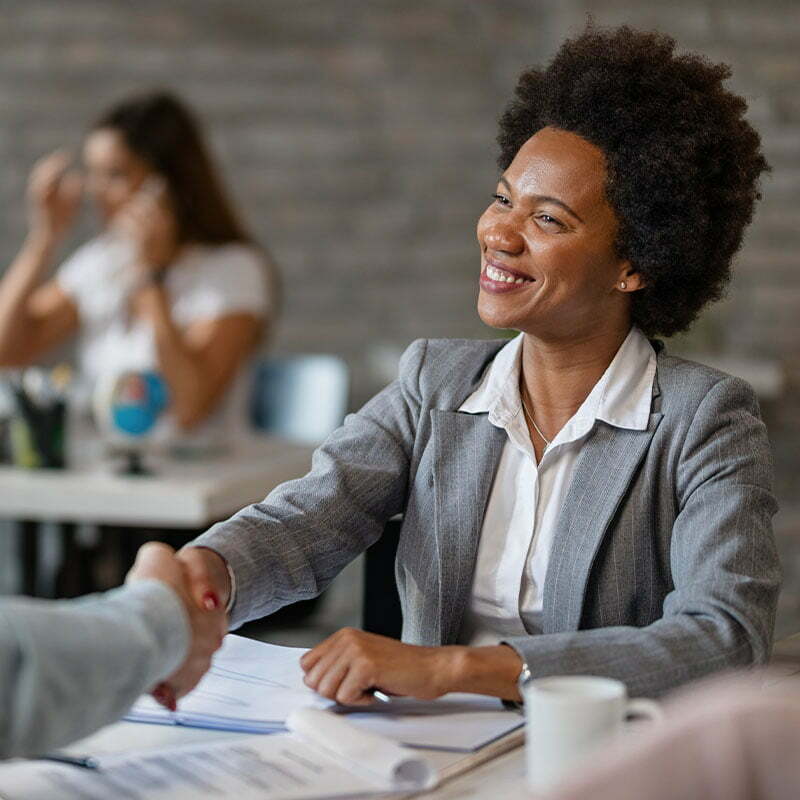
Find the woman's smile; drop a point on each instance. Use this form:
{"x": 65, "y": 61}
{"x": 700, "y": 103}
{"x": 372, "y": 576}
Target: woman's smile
{"x": 497, "y": 279}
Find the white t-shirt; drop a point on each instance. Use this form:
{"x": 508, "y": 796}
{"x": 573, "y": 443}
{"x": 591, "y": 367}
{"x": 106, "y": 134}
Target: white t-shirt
{"x": 205, "y": 282}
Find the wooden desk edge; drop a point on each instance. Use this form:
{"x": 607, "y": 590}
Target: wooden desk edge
{"x": 471, "y": 761}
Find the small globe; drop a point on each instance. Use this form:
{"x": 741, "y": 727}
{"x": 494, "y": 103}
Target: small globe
{"x": 129, "y": 404}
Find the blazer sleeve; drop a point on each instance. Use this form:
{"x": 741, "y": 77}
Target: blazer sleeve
{"x": 724, "y": 565}
{"x": 292, "y": 544}
{"x": 69, "y": 667}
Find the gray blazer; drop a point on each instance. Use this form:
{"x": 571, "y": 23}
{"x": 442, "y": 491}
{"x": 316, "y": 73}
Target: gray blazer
{"x": 664, "y": 566}
{"x": 66, "y": 668}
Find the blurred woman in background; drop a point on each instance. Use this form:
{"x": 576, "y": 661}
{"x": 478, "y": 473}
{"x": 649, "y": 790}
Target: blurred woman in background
{"x": 172, "y": 283}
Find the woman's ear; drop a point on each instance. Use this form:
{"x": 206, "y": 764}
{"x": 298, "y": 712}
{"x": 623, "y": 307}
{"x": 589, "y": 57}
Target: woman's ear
{"x": 629, "y": 279}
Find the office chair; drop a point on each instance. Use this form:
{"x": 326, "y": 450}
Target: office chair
{"x": 381, "y": 612}
{"x": 302, "y": 398}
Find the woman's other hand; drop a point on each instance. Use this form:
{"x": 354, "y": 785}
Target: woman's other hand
{"x": 54, "y": 195}
{"x": 350, "y": 664}
{"x": 208, "y": 623}
{"x": 148, "y": 221}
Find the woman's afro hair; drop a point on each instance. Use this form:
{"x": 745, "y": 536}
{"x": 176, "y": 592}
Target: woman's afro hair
{"x": 683, "y": 164}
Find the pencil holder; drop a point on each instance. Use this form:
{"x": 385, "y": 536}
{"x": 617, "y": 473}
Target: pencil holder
{"x": 36, "y": 437}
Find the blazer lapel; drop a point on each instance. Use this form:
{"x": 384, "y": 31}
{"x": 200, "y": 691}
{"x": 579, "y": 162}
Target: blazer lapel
{"x": 603, "y": 472}
{"x": 468, "y": 448}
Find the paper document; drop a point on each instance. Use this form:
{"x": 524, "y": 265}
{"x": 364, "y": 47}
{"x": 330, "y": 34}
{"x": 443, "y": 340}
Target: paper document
{"x": 322, "y": 756}
{"x": 252, "y": 687}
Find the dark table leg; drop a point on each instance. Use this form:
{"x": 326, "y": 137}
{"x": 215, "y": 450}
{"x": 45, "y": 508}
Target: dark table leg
{"x": 28, "y": 536}
{"x": 74, "y": 575}
{"x": 120, "y": 545}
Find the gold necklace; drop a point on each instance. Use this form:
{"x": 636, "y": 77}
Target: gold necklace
{"x": 530, "y": 418}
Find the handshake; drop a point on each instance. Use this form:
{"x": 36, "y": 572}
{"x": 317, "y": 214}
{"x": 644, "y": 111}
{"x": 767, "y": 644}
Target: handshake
{"x": 199, "y": 578}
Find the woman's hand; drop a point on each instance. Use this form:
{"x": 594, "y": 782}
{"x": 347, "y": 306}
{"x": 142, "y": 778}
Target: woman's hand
{"x": 148, "y": 221}
{"x": 54, "y": 195}
{"x": 351, "y": 663}
{"x": 207, "y": 621}
{"x": 207, "y": 575}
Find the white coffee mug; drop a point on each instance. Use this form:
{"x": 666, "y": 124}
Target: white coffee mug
{"x": 566, "y": 717}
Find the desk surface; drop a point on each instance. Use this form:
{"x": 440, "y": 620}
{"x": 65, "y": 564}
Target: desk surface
{"x": 179, "y": 493}
{"x": 501, "y": 775}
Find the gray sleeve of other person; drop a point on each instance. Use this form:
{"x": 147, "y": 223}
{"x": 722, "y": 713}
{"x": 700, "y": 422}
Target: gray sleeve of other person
{"x": 69, "y": 667}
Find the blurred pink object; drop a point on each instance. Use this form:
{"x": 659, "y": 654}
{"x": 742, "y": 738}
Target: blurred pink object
{"x": 722, "y": 739}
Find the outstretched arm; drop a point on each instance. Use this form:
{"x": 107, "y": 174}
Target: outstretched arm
{"x": 68, "y": 667}
{"x": 292, "y": 544}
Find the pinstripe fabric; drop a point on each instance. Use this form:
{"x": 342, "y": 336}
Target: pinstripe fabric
{"x": 663, "y": 569}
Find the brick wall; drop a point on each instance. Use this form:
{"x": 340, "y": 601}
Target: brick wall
{"x": 358, "y": 138}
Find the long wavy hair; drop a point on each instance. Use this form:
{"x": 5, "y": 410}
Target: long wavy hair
{"x": 161, "y": 130}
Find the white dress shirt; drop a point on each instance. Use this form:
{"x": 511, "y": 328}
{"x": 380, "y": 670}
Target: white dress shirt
{"x": 525, "y": 498}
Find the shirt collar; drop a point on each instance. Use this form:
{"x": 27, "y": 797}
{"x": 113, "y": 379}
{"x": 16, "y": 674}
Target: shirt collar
{"x": 622, "y": 397}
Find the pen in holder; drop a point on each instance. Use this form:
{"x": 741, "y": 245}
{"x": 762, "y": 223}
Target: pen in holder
{"x": 37, "y": 425}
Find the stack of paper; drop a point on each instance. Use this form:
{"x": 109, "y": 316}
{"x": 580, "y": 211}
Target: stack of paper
{"x": 251, "y": 688}
{"x": 321, "y": 756}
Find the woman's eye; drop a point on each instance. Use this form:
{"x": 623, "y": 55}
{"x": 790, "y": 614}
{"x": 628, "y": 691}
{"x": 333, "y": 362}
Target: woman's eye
{"x": 548, "y": 220}
{"x": 501, "y": 199}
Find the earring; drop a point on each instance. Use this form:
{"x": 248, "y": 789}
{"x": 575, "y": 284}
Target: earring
{"x": 623, "y": 285}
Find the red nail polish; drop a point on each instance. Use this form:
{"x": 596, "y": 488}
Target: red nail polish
{"x": 162, "y": 694}
{"x": 169, "y": 698}
{"x": 210, "y": 601}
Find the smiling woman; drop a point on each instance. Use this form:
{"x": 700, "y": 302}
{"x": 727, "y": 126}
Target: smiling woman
{"x": 551, "y": 230}
{"x": 575, "y": 500}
